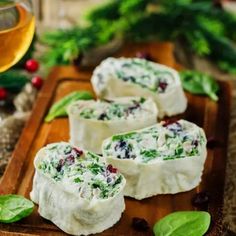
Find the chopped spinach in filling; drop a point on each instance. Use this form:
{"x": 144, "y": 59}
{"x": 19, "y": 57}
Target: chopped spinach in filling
{"x": 162, "y": 141}
{"x": 112, "y": 110}
{"x": 80, "y": 172}
{"x": 144, "y": 73}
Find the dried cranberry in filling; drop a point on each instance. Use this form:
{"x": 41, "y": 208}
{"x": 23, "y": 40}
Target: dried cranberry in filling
{"x": 175, "y": 127}
{"x": 78, "y": 152}
{"x": 60, "y": 165}
{"x": 70, "y": 160}
{"x": 168, "y": 122}
{"x": 111, "y": 169}
{"x": 162, "y": 86}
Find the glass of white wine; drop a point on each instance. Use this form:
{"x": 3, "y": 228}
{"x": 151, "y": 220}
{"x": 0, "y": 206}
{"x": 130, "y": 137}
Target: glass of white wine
{"x": 17, "y": 25}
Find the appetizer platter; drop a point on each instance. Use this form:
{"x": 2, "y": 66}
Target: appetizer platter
{"x": 127, "y": 181}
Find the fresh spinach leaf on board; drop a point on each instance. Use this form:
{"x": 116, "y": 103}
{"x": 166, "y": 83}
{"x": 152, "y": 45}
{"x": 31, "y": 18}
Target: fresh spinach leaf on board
{"x": 59, "y": 108}
{"x": 199, "y": 83}
{"x": 14, "y": 208}
{"x": 187, "y": 223}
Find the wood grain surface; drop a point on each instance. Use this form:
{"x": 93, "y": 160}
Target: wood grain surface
{"x": 213, "y": 117}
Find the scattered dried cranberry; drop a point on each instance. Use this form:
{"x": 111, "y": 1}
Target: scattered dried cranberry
{"x": 168, "y": 122}
{"x": 60, "y": 165}
{"x": 37, "y": 82}
{"x": 144, "y": 55}
{"x": 201, "y": 199}
{"x": 162, "y": 86}
{"x": 140, "y": 224}
{"x": 173, "y": 126}
{"x": 111, "y": 169}
{"x": 78, "y": 151}
{"x": 31, "y": 65}
{"x": 212, "y": 142}
{"x": 70, "y": 160}
{"x": 3, "y": 94}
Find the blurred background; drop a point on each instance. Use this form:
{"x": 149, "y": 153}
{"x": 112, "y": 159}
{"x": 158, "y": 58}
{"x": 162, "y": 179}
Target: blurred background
{"x": 61, "y": 13}
{"x": 203, "y": 34}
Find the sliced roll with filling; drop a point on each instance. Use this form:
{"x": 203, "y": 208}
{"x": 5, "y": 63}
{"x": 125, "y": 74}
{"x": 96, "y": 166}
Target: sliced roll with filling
{"x": 139, "y": 77}
{"x": 76, "y": 190}
{"x": 91, "y": 122}
{"x": 166, "y": 158}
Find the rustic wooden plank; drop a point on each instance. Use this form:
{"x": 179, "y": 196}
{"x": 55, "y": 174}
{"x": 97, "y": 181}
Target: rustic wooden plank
{"x": 213, "y": 117}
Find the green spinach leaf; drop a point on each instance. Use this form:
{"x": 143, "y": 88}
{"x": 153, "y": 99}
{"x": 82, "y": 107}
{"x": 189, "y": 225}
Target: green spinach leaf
{"x": 123, "y": 136}
{"x": 14, "y": 208}
{"x": 187, "y": 223}
{"x": 198, "y": 83}
{"x": 59, "y": 108}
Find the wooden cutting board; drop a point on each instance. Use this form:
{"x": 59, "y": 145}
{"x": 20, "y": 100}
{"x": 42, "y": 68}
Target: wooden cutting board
{"x": 213, "y": 117}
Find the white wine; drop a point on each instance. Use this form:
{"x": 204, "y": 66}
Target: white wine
{"x": 17, "y": 25}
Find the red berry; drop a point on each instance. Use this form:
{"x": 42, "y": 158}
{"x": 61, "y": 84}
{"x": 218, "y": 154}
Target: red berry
{"x": 3, "y": 94}
{"x": 37, "y": 82}
{"x": 31, "y": 65}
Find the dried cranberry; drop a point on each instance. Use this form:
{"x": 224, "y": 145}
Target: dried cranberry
{"x": 111, "y": 169}
{"x": 103, "y": 116}
{"x": 168, "y": 122}
{"x": 175, "y": 126}
{"x": 60, "y": 165}
{"x": 162, "y": 86}
{"x": 78, "y": 151}
{"x": 140, "y": 224}
{"x": 144, "y": 55}
{"x": 70, "y": 160}
{"x": 201, "y": 199}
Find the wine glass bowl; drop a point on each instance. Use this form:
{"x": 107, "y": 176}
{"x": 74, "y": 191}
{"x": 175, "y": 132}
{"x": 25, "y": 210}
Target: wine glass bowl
{"x": 17, "y": 24}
